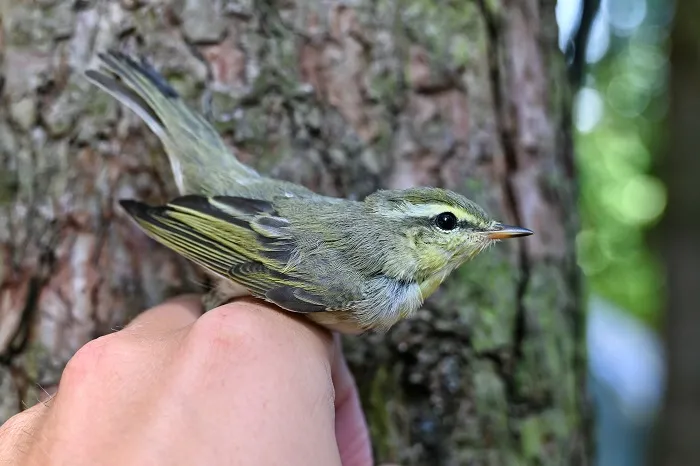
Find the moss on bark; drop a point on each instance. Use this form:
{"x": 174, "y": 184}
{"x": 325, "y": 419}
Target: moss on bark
{"x": 344, "y": 98}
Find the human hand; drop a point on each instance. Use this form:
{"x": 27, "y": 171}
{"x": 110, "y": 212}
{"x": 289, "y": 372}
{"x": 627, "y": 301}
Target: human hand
{"x": 242, "y": 384}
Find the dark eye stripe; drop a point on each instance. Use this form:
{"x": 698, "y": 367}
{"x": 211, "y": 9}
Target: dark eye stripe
{"x": 425, "y": 221}
{"x": 467, "y": 225}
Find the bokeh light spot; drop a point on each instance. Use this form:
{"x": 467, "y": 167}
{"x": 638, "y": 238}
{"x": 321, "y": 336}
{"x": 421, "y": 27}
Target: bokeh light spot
{"x": 624, "y": 95}
{"x": 589, "y": 254}
{"x": 625, "y": 15}
{"x": 642, "y": 199}
{"x": 589, "y": 109}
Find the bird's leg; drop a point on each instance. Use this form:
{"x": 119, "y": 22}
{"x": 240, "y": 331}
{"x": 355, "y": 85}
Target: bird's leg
{"x": 213, "y": 299}
{"x": 222, "y": 293}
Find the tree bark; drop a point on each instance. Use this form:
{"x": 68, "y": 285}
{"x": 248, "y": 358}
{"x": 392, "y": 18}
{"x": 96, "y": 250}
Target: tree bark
{"x": 345, "y": 98}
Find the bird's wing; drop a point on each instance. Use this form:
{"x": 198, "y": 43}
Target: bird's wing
{"x": 241, "y": 239}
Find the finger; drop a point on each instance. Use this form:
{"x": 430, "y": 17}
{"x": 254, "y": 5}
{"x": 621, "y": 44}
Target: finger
{"x": 18, "y": 434}
{"x": 110, "y": 388}
{"x": 262, "y": 377}
{"x": 350, "y": 426}
{"x": 167, "y": 317}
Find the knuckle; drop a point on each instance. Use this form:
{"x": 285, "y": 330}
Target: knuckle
{"x": 13, "y": 425}
{"x": 227, "y": 331}
{"x": 91, "y": 359}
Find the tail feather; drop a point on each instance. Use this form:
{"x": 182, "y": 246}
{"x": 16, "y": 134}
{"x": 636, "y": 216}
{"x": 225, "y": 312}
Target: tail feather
{"x": 129, "y": 68}
{"x": 200, "y": 160}
{"x": 129, "y": 98}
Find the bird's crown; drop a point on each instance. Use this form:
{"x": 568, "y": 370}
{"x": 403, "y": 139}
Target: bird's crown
{"x": 429, "y": 203}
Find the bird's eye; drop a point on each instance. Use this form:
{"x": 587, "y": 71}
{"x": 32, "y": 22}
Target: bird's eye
{"x": 446, "y": 221}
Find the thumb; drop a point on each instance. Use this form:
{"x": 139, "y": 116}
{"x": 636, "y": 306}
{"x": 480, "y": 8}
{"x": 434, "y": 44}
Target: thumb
{"x": 350, "y": 425}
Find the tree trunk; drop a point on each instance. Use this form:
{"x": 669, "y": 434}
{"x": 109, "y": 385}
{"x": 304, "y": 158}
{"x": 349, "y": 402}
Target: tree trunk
{"x": 678, "y": 237}
{"x": 345, "y": 98}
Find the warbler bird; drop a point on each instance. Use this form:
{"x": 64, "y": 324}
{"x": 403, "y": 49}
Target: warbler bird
{"x": 348, "y": 265}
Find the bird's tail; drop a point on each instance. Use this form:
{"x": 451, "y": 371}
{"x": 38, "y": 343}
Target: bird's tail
{"x": 200, "y": 160}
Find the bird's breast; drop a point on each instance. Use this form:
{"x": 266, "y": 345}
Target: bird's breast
{"x": 338, "y": 321}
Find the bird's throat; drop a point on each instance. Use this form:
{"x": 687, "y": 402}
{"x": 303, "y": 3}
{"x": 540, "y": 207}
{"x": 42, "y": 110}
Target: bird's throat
{"x": 430, "y": 284}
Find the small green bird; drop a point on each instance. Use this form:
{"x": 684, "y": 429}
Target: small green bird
{"x": 347, "y": 265}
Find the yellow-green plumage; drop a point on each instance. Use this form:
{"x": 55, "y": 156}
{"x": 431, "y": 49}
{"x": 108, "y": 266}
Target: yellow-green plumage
{"x": 348, "y": 265}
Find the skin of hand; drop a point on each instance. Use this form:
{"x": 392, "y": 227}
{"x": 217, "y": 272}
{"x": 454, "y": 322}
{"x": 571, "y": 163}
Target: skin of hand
{"x": 242, "y": 384}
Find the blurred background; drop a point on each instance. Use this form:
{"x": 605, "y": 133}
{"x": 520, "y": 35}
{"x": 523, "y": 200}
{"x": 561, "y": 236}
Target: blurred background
{"x": 619, "y": 112}
{"x": 618, "y": 52}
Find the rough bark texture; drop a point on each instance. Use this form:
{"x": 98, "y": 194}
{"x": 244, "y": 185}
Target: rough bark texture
{"x": 343, "y": 97}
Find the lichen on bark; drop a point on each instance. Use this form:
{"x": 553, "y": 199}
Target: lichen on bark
{"x": 345, "y": 98}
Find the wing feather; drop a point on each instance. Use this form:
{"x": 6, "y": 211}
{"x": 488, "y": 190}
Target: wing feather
{"x": 244, "y": 240}
{"x": 294, "y": 299}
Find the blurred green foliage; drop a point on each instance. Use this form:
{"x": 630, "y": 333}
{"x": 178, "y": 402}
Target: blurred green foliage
{"x": 618, "y": 115}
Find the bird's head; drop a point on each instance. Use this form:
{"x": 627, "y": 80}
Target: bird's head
{"x": 440, "y": 229}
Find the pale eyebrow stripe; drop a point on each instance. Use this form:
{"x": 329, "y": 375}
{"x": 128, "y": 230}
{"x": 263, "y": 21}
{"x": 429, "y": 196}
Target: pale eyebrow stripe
{"x": 431, "y": 210}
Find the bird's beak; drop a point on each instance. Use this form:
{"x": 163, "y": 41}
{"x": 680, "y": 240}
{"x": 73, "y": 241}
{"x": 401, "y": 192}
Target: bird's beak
{"x": 501, "y": 231}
